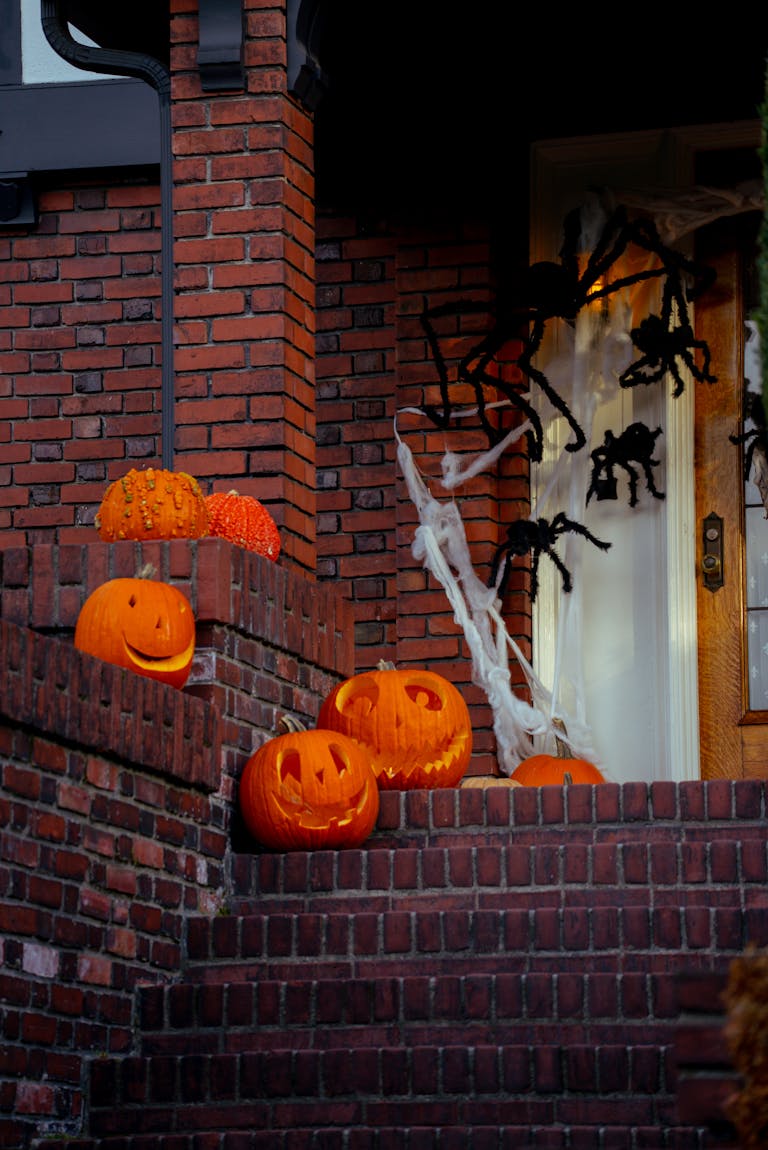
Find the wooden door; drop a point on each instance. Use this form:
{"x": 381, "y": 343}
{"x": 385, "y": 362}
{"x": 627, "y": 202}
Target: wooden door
{"x": 733, "y": 729}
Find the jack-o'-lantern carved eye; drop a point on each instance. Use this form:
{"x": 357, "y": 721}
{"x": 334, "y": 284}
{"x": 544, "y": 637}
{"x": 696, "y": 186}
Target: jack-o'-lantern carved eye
{"x": 141, "y": 624}
{"x": 309, "y": 789}
{"x": 414, "y": 723}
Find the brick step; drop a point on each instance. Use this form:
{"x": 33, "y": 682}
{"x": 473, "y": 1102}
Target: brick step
{"x": 517, "y": 1135}
{"x": 232, "y": 948}
{"x": 566, "y": 865}
{"x": 649, "y": 1044}
{"x": 546, "y": 1002}
{"x": 318, "y": 1012}
{"x": 431, "y": 1086}
{"x": 463, "y": 817}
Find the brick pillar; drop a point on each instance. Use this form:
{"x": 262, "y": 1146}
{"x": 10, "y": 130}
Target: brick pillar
{"x": 245, "y": 278}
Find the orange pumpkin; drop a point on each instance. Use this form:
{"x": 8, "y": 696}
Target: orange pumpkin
{"x": 243, "y": 520}
{"x": 141, "y": 624}
{"x": 152, "y": 504}
{"x": 413, "y": 723}
{"x": 543, "y": 770}
{"x": 309, "y": 790}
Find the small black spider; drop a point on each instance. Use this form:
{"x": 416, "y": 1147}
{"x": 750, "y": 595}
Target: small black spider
{"x": 636, "y": 444}
{"x": 664, "y": 349}
{"x": 539, "y": 536}
{"x": 755, "y": 436}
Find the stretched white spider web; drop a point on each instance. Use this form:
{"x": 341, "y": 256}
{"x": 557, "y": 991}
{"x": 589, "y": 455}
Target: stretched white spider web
{"x": 440, "y": 543}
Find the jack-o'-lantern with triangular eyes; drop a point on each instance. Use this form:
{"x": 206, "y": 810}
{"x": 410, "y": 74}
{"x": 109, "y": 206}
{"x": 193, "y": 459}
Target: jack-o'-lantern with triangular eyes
{"x": 309, "y": 790}
{"x": 142, "y": 624}
{"x": 414, "y": 723}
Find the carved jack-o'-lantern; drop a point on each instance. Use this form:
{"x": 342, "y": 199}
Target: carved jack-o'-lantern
{"x": 308, "y": 790}
{"x": 414, "y": 723}
{"x": 141, "y": 624}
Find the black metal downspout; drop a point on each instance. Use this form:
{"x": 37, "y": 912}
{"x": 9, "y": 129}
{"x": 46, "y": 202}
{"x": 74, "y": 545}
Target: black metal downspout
{"x": 155, "y": 73}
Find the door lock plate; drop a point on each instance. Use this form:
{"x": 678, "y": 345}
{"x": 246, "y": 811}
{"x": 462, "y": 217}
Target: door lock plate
{"x": 712, "y": 552}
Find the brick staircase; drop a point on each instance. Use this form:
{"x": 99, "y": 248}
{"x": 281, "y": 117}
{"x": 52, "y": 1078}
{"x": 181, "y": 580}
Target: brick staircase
{"x": 492, "y": 969}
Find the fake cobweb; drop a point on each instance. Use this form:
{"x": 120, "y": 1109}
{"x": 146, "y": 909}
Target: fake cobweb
{"x": 595, "y": 351}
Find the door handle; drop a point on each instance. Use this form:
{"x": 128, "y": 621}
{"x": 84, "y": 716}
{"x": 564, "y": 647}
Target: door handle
{"x": 712, "y": 552}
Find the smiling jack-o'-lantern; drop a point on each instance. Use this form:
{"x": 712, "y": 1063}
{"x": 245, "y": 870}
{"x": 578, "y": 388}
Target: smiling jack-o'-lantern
{"x": 141, "y": 624}
{"x": 309, "y": 790}
{"x": 414, "y": 723}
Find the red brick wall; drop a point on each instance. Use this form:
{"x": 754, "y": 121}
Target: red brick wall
{"x": 79, "y": 357}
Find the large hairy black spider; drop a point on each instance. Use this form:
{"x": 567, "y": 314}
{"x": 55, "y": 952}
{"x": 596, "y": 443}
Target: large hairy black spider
{"x": 553, "y": 290}
{"x": 635, "y": 444}
{"x": 539, "y": 536}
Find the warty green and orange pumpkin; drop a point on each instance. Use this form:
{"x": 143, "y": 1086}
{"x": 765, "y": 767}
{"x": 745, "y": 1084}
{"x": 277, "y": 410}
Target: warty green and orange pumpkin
{"x": 308, "y": 790}
{"x": 152, "y": 504}
{"x": 413, "y": 722}
{"x": 141, "y": 624}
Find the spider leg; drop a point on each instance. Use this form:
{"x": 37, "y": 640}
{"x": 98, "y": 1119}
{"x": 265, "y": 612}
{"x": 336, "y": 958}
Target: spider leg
{"x": 634, "y": 374}
{"x": 564, "y": 572}
{"x": 603, "y": 481}
{"x": 633, "y": 478}
{"x": 441, "y": 417}
{"x": 535, "y": 553}
{"x": 674, "y": 371}
{"x": 647, "y": 465}
{"x": 700, "y": 373}
{"x": 524, "y": 363}
{"x": 561, "y": 523}
{"x": 534, "y": 437}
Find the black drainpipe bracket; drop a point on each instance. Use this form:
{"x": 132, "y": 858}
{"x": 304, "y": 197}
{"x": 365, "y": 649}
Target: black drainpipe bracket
{"x": 18, "y": 205}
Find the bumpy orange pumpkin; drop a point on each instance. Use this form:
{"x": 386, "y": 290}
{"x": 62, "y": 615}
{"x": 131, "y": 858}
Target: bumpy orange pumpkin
{"x": 414, "y": 724}
{"x": 141, "y": 624}
{"x": 243, "y": 520}
{"x": 152, "y": 504}
{"x": 309, "y": 790}
{"x": 542, "y": 770}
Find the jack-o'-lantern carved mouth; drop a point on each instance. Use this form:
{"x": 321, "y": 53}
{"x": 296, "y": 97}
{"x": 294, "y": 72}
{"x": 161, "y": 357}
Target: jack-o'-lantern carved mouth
{"x": 406, "y": 760}
{"x": 321, "y": 802}
{"x": 170, "y": 663}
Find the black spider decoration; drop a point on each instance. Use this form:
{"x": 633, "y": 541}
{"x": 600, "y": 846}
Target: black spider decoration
{"x": 636, "y": 444}
{"x": 662, "y": 348}
{"x": 539, "y": 536}
{"x": 560, "y": 290}
{"x": 755, "y": 436}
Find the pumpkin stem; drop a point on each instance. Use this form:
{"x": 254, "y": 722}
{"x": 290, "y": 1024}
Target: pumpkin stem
{"x": 385, "y": 665}
{"x": 146, "y": 571}
{"x": 289, "y": 724}
{"x": 563, "y": 750}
